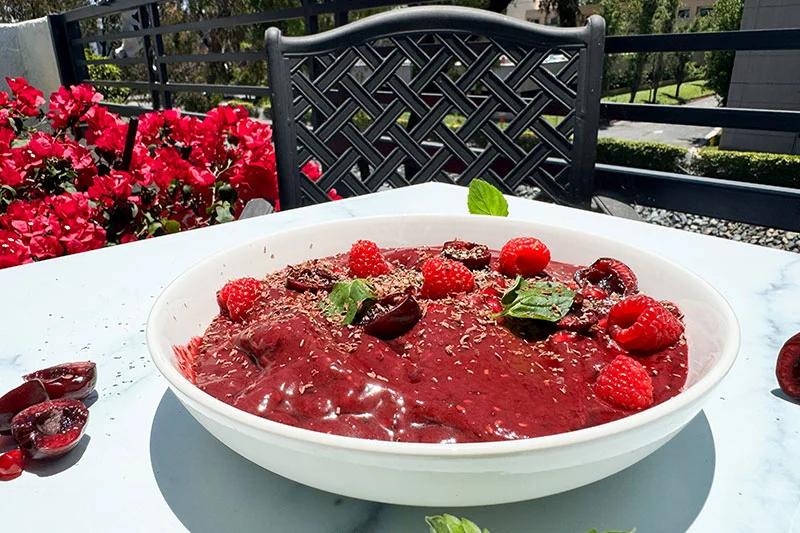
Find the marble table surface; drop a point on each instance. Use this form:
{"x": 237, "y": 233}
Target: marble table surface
{"x": 146, "y": 465}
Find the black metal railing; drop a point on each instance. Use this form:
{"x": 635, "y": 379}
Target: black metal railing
{"x": 745, "y": 202}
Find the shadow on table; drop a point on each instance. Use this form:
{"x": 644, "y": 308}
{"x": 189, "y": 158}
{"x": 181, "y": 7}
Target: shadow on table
{"x": 211, "y": 488}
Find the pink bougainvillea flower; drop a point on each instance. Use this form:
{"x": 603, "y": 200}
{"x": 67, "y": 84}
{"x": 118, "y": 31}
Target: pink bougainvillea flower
{"x": 27, "y": 99}
{"x": 313, "y": 170}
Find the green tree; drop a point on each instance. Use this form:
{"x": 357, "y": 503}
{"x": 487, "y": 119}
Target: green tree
{"x": 617, "y": 14}
{"x": 679, "y": 64}
{"x": 18, "y": 10}
{"x": 726, "y": 16}
{"x": 664, "y": 22}
{"x": 567, "y": 11}
{"x": 642, "y": 23}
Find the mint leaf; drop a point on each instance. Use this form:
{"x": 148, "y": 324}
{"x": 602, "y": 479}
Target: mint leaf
{"x": 448, "y": 523}
{"x": 485, "y": 199}
{"x": 347, "y": 298}
{"x": 541, "y": 300}
{"x": 511, "y": 294}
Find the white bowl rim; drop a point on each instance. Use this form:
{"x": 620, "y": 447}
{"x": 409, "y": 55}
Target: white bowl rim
{"x": 452, "y": 450}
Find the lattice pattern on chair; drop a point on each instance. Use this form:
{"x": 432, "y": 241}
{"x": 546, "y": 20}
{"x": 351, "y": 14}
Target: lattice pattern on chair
{"x": 374, "y": 114}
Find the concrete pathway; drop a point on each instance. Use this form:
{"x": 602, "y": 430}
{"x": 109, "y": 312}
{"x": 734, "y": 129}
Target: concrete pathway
{"x": 674, "y": 134}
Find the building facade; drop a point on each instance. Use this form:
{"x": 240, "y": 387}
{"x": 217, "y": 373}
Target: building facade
{"x": 766, "y": 79}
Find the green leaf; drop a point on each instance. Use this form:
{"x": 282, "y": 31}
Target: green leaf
{"x": 172, "y": 226}
{"x": 153, "y": 227}
{"x": 223, "y": 214}
{"x": 485, "y": 199}
{"x": 347, "y": 298}
{"x": 19, "y": 143}
{"x": 448, "y": 523}
{"x": 542, "y": 300}
{"x": 511, "y": 294}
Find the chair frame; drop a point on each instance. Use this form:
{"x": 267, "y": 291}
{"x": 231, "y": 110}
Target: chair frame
{"x": 415, "y": 21}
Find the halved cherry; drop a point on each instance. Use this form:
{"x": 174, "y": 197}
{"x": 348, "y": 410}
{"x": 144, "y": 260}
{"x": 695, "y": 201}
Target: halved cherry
{"x": 787, "y": 369}
{"x": 14, "y": 401}
{"x": 474, "y": 256}
{"x": 50, "y": 429}
{"x": 391, "y": 317}
{"x": 609, "y": 274}
{"x": 68, "y": 380}
{"x": 11, "y": 465}
{"x": 315, "y": 277}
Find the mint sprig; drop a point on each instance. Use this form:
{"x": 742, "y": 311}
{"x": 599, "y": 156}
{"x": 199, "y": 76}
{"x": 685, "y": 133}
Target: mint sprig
{"x": 347, "y": 298}
{"x": 485, "y": 199}
{"x": 540, "y": 300}
{"x": 448, "y": 523}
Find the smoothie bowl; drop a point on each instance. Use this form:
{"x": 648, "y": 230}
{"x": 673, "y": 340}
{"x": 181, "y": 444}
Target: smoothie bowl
{"x": 433, "y": 371}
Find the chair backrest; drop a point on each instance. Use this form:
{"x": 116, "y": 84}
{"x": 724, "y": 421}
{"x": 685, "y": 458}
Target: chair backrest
{"x": 341, "y": 98}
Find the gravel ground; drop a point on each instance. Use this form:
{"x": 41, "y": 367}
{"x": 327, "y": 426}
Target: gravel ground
{"x": 760, "y": 235}
{"x": 736, "y": 231}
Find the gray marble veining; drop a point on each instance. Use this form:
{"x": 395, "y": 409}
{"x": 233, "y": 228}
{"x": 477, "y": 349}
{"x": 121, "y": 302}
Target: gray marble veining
{"x": 148, "y": 466}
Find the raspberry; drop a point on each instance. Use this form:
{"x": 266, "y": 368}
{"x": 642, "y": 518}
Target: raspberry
{"x": 237, "y": 297}
{"x": 366, "y": 260}
{"x": 640, "y": 323}
{"x": 625, "y": 383}
{"x": 445, "y": 276}
{"x": 525, "y": 256}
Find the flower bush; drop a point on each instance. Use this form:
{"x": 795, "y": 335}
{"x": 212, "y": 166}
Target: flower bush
{"x": 63, "y": 188}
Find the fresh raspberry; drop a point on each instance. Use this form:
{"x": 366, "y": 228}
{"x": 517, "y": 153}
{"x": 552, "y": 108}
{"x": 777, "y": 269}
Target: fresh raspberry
{"x": 625, "y": 383}
{"x": 366, "y": 260}
{"x": 237, "y": 297}
{"x": 640, "y": 323}
{"x": 525, "y": 256}
{"x": 445, "y": 276}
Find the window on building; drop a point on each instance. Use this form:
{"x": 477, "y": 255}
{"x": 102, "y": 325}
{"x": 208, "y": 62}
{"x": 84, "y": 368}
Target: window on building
{"x": 554, "y": 21}
{"x": 703, "y": 11}
{"x": 683, "y": 13}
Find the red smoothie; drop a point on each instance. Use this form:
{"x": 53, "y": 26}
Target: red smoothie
{"x": 461, "y": 374}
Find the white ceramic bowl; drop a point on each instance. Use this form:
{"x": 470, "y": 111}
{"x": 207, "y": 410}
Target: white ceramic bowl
{"x": 442, "y": 474}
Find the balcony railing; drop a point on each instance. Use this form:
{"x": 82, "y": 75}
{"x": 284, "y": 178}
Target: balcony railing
{"x": 744, "y": 202}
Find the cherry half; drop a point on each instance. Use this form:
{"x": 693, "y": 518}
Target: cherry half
{"x": 14, "y": 401}
{"x": 391, "y": 317}
{"x": 474, "y": 256}
{"x": 11, "y": 465}
{"x": 787, "y": 369}
{"x": 609, "y": 274}
{"x": 69, "y": 380}
{"x": 50, "y": 429}
{"x": 315, "y": 277}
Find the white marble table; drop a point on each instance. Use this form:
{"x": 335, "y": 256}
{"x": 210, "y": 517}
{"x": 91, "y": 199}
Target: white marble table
{"x": 148, "y": 466}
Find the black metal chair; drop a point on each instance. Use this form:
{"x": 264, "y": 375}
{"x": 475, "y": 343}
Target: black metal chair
{"x": 337, "y": 98}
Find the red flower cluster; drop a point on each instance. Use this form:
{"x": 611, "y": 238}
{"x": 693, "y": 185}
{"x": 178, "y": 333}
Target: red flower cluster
{"x": 63, "y": 189}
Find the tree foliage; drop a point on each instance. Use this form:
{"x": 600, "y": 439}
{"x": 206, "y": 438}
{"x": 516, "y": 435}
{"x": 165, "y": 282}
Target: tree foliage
{"x": 726, "y": 16}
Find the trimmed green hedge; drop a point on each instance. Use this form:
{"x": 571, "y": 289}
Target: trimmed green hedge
{"x": 753, "y": 167}
{"x": 640, "y": 154}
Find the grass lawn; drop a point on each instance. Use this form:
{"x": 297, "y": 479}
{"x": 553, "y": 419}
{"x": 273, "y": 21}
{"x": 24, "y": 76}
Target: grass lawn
{"x": 666, "y": 94}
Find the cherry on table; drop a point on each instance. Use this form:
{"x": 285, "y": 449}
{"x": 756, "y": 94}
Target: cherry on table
{"x": 11, "y": 465}
{"x": 787, "y": 369}
{"x": 50, "y": 429}
{"x": 14, "y": 401}
{"x": 68, "y": 380}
